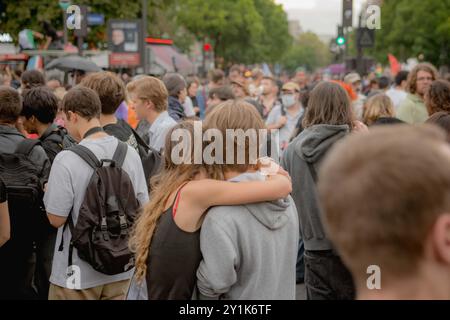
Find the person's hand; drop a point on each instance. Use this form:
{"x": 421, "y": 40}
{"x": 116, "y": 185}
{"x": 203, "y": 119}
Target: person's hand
{"x": 359, "y": 127}
{"x": 270, "y": 168}
{"x": 282, "y": 122}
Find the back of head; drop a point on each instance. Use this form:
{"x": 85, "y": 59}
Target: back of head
{"x": 442, "y": 120}
{"x": 41, "y": 103}
{"x": 82, "y": 101}
{"x": 378, "y": 106}
{"x": 394, "y": 183}
{"x": 328, "y": 104}
{"x": 32, "y": 79}
{"x": 239, "y": 125}
{"x": 109, "y": 87}
{"x": 384, "y": 83}
{"x": 174, "y": 83}
{"x": 438, "y": 97}
{"x": 400, "y": 77}
{"x": 411, "y": 85}
{"x": 223, "y": 93}
{"x": 10, "y": 105}
{"x": 149, "y": 89}
{"x": 216, "y": 76}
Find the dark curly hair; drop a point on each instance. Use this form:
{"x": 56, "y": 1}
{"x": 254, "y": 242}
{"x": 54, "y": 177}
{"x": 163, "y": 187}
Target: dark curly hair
{"x": 438, "y": 97}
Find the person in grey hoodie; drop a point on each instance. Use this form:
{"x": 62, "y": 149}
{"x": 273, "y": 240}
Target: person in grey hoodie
{"x": 328, "y": 119}
{"x": 249, "y": 251}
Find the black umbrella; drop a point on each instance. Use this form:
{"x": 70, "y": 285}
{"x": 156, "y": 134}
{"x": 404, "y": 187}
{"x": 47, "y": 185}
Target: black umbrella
{"x": 71, "y": 63}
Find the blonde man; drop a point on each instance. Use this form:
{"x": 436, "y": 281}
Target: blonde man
{"x": 148, "y": 97}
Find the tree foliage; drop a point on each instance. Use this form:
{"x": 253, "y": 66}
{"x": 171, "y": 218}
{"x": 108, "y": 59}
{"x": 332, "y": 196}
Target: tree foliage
{"x": 308, "y": 52}
{"x": 241, "y": 31}
{"x": 411, "y": 28}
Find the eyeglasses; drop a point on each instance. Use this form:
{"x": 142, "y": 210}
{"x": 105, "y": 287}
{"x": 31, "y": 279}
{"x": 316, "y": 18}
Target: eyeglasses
{"x": 425, "y": 79}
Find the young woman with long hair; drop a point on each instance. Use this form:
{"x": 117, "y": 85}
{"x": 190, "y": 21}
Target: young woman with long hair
{"x": 166, "y": 238}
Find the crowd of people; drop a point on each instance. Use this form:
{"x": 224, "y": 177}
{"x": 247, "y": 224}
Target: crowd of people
{"x": 95, "y": 205}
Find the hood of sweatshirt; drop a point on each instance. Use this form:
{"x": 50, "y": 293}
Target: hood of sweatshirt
{"x": 315, "y": 141}
{"x": 273, "y": 215}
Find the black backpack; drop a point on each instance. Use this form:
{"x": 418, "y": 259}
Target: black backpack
{"x": 25, "y": 194}
{"x": 106, "y": 215}
{"x": 151, "y": 159}
{"x": 55, "y": 140}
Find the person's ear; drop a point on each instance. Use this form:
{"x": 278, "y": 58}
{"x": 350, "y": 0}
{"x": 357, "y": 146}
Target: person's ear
{"x": 148, "y": 105}
{"x": 441, "y": 238}
{"x": 72, "y": 116}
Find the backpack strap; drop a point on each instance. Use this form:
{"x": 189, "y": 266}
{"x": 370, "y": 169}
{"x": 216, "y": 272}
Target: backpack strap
{"x": 120, "y": 154}
{"x": 87, "y": 155}
{"x": 53, "y": 128}
{"x": 26, "y": 146}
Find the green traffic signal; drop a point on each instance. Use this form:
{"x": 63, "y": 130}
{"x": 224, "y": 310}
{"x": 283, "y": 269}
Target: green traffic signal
{"x": 340, "y": 41}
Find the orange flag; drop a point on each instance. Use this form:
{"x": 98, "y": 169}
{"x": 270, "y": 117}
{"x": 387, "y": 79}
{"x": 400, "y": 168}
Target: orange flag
{"x": 395, "y": 65}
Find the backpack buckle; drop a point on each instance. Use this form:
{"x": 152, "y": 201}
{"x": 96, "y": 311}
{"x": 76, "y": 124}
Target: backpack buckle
{"x": 103, "y": 226}
{"x": 123, "y": 224}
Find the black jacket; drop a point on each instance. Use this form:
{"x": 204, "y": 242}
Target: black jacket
{"x": 176, "y": 110}
{"x": 9, "y": 140}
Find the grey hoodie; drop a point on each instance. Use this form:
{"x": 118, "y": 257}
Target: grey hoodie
{"x": 249, "y": 251}
{"x": 309, "y": 148}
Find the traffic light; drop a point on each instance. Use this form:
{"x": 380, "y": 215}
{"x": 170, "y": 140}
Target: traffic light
{"x": 207, "y": 47}
{"x": 347, "y": 13}
{"x": 341, "y": 40}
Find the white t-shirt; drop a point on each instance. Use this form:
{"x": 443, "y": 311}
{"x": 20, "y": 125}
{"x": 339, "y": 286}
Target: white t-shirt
{"x": 189, "y": 107}
{"x": 397, "y": 96}
{"x": 159, "y": 129}
{"x": 66, "y": 188}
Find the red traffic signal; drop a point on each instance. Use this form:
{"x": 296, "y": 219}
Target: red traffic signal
{"x": 207, "y": 47}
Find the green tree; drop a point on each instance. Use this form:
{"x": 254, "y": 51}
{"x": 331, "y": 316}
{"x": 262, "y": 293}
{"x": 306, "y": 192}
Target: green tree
{"x": 276, "y": 38}
{"x": 308, "y": 52}
{"x": 31, "y": 13}
{"x": 234, "y": 28}
{"x": 414, "y": 27}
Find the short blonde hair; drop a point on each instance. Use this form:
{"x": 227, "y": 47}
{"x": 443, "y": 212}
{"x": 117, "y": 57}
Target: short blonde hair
{"x": 376, "y": 107}
{"x": 150, "y": 89}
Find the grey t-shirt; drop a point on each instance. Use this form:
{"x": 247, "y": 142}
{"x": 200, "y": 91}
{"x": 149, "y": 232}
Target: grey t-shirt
{"x": 286, "y": 132}
{"x": 69, "y": 178}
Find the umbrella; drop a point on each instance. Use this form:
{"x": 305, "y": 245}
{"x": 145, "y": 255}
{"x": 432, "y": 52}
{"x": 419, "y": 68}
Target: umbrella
{"x": 73, "y": 63}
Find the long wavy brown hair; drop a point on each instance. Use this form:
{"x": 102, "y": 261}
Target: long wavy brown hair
{"x": 438, "y": 97}
{"x": 164, "y": 185}
{"x": 329, "y": 103}
{"x": 411, "y": 85}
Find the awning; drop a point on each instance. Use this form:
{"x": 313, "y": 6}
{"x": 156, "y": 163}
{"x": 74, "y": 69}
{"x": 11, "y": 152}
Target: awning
{"x": 164, "y": 58}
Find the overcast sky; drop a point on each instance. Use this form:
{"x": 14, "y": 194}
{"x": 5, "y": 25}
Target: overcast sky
{"x": 319, "y": 16}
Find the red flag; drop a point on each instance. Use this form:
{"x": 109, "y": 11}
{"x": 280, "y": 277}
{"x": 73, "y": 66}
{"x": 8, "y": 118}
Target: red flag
{"x": 395, "y": 65}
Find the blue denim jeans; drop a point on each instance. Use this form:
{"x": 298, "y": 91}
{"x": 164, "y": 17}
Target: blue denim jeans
{"x": 300, "y": 267}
